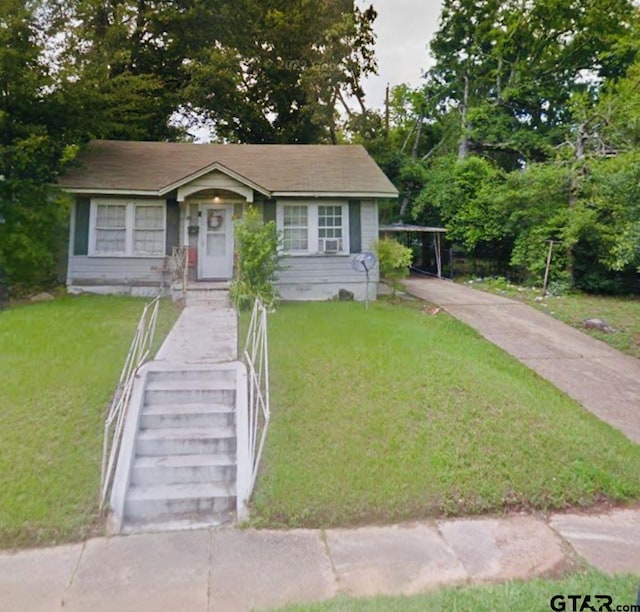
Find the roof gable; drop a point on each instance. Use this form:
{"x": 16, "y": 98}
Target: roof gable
{"x": 159, "y": 167}
{"x": 216, "y": 166}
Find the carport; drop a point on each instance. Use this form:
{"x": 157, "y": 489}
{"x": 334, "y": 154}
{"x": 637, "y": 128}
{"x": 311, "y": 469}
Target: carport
{"x": 430, "y": 243}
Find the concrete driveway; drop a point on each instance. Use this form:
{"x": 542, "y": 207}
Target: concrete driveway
{"x": 605, "y": 381}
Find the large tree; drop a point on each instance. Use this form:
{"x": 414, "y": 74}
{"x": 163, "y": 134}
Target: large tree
{"x": 253, "y": 71}
{"x": 510, "y": 68}
{"x": 273, "y": 71}
{"x": 35, "y": 142}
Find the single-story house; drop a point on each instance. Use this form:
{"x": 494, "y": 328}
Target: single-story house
{"x": 136, "y": 204}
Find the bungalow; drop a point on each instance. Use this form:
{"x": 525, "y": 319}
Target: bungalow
{"x": 138, "y": 203}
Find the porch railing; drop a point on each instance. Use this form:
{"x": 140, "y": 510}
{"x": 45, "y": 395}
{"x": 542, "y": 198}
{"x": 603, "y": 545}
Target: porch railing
{"x": 256, "y": 359}
{"x": 114, "y": 423}
{"x": 180, "y": 257}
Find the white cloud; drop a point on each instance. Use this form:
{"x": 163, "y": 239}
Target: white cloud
{"x": 404, "y": 29}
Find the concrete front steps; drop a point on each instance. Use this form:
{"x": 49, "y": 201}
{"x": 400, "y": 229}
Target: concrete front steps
{"x": 181, "y": 464}
{"x": 211, "y": 294}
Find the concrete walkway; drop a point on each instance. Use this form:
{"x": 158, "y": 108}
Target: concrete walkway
{"x": 201, "y": 335}
{"x": 232, "y": 570}
{"x": 605, "y": 381}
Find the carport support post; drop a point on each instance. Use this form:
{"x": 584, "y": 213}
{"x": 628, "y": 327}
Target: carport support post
{"x": 438, "y": 252}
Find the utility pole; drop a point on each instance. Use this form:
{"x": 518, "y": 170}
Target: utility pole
{"x": 546, "y": 270}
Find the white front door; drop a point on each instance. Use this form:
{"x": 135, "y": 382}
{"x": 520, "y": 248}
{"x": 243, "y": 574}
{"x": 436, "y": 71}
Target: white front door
{"x": 215, "y": 245}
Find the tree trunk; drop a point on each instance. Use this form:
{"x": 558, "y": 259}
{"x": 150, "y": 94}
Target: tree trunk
{"x": 386, "y": 114}
{"x": 332, "y": 120}
{"x": 463, "y": 145}
{"x": 577, "y": 173}
{"x": 414, "y": 155}
{"x": 416, "y": 142}
{"x": 403, "y": 208}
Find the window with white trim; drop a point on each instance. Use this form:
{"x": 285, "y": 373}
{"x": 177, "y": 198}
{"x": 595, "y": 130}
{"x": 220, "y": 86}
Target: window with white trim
{"x": 330, "y": 229}
{"x": 295, "y": 229}
{"x": 310, "y": 228}
{"x": 148, "y": 230}
{"x": 111, "y": 228}
{"x": 127, "y": 228}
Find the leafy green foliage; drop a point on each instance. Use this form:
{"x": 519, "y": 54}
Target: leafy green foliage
{"x": 525, "y": 131}
{"x": 589, "y": 210}
{"x": 615, "y": 190}
{"x": 34, "y": 146}
{"x": 183, "y": 64}
{"x": 394, "y": 260}
{"x": 534, "y": 205}
{"x": 511, "y": 68}
{"x": 257, "y": 260}
{"x": 462, "y": 192}
{"x": 32, "y": 238}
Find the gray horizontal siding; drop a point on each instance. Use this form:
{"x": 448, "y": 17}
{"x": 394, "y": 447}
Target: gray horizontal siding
{"x": 321, "y": 269}
{"x": 110, "y": 270}
{"x": 369, "y": 222}
{"x": 325, "y": 291}
{"x": 320, "y": 277}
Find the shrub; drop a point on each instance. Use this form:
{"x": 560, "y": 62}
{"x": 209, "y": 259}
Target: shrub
{"x": 257, "y": 261}
{"x": 394, "y": 260}
{"x": 33, "y": 238}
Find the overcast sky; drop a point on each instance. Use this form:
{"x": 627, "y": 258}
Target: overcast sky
{"x": 404, "y": 28}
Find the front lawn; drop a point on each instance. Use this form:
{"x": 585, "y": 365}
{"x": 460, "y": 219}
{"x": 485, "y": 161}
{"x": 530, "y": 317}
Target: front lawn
{"x": 523, "y": 596}
{"x": 60, "y": 362}
{"x": 396, "y": 414}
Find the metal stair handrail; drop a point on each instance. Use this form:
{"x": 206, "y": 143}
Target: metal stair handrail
{"x": 180, "y": 257}
{"x": 139, "y": 351}
{"x": 256, "y": 358}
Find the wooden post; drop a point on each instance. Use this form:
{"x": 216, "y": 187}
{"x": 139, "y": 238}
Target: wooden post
{"x": 546, "y": 271}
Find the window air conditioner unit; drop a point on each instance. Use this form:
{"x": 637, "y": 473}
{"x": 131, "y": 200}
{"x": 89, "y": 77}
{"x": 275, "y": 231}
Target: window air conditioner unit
{"x": 330, "y": 245}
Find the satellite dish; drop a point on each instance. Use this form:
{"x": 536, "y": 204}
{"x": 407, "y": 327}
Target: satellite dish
{"x": 364, "y": 262}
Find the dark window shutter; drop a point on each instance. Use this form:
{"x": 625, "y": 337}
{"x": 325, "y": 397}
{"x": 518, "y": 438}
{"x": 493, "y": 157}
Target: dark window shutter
{"x": 173, "y": 225}
{"x": 81, "y": 237}
{"x": 269, "y": 211}
{"x": 355, "y": 227}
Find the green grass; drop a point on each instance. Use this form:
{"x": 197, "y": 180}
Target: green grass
{"x": 394, "y": 414}
{"x": 622, "y": 313}
{"x": 60, "y": 362}
{"x": 529, "y": 596}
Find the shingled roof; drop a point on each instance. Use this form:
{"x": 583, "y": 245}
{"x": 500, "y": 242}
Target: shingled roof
{"x": 159, "y": 167}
